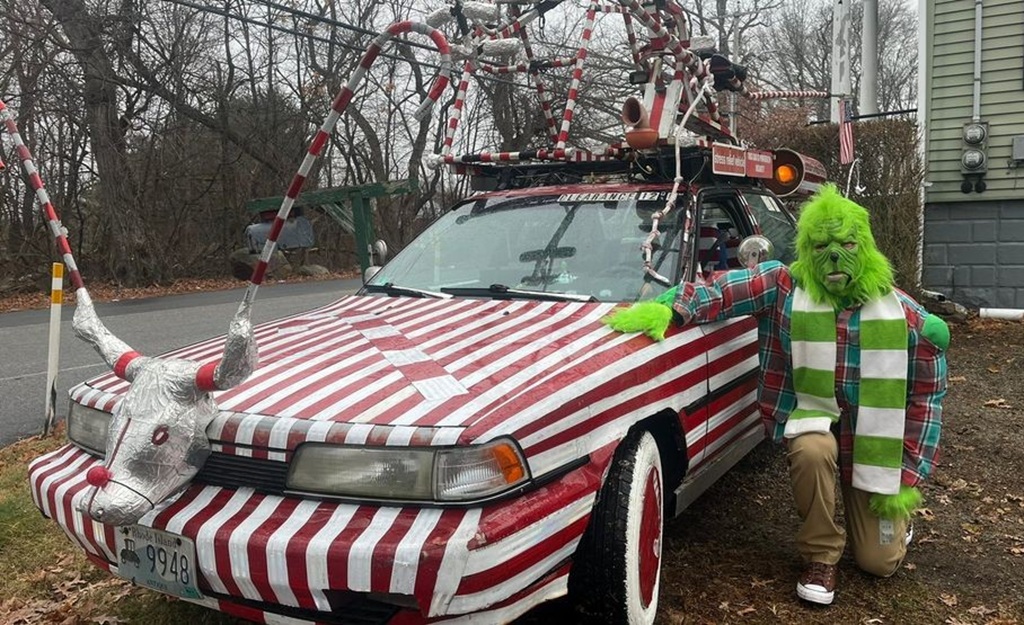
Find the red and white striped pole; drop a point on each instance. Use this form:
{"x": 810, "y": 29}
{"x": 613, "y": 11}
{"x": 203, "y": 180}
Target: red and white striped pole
{"x": 53, "y": 354}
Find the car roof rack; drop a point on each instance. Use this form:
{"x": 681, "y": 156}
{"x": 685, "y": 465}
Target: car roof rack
{"x": 652, "y": 166}
{"x": 677, "y": 73}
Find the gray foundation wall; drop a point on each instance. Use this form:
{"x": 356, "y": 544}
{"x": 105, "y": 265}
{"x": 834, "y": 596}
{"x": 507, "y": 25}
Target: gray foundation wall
{"x": 974, "y": 252}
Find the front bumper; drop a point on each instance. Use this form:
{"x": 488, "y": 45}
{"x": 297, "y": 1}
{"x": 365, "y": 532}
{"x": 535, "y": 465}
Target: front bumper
{"x": 286, "y": 555}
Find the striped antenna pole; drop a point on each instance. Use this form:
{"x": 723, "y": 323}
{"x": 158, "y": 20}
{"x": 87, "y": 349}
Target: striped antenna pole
{"x": 53, "y": 354}
{"x": 49, "y": 212}
{"x": 460, "y": 103}
{"x": 577, "y": 77}
{"x": 542, "y": 94}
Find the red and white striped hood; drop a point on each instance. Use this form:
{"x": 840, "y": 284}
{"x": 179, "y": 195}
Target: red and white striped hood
{"x": 412, "y": 371}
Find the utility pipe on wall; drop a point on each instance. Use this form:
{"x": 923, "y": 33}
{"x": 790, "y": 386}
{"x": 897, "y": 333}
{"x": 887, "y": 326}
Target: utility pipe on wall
{"x": 1002, "y": 313}
{"x": 976, "y": 104}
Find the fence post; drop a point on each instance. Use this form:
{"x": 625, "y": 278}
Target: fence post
{"x": 53, "y": 355}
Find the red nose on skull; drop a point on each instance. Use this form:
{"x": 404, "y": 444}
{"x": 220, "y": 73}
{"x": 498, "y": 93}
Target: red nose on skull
{"x": 98, "y": 476}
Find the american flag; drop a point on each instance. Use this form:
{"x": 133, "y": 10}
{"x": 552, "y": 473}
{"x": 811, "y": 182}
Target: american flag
{"x": 845, "y": 132}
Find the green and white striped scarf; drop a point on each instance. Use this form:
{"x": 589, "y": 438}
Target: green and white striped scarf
{"x": 878, "y": 440}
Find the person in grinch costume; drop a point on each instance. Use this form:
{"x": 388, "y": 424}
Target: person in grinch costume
{"x": 853, "y": 373}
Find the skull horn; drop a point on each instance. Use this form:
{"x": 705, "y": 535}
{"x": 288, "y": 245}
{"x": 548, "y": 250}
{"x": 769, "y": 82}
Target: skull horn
{"x": 239, "y": 358}
{"x": 88, "y": 327}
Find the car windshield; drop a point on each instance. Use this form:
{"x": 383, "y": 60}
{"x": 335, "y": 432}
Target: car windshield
{"x": 581, "y": 245}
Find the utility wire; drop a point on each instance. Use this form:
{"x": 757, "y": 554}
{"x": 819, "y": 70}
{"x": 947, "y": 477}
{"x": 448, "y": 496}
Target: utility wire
{"x": 291, "y": 31}
{"x": 457, "y": 73}
{"x": 326, "y": 20}
{"x": 365, "y": 31}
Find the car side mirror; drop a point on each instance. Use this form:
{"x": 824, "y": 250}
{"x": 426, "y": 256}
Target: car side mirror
{"x": 755, "y": 249}
{"x": 370, "y": 272}
{"x": 378, "y": 254}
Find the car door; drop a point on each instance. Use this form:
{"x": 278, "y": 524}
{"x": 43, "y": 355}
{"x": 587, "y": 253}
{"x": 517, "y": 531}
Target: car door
{"x": 730, "y": 408}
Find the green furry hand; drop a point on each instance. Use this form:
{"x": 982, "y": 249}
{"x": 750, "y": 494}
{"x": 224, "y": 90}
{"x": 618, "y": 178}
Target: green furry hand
{"x": 651, "y": 317}
{"x": 898, "y": 506}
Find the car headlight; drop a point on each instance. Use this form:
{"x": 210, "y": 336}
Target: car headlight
{"x": 87, "y": 428}
{"x": 409, "y": 473}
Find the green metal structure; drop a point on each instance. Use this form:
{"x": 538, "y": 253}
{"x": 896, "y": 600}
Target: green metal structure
{"x": 349, "y": 206}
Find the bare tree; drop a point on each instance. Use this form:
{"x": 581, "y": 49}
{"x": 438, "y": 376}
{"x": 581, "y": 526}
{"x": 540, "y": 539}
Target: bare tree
{"x": 156, "y": 121}
{"x": 133, "y": 261}
{"x": 796, "y": 51}
{"x": 34, "y": 84}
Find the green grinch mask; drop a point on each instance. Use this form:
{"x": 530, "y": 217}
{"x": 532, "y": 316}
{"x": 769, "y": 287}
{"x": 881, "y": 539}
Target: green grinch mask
{"x": 837, "y": 260}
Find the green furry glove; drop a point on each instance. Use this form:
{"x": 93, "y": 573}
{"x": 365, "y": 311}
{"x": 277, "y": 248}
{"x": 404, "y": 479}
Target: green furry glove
{"x": 668, "y": 297}
{"x": 898, "y": 506}
{"x": 650, "y": 317}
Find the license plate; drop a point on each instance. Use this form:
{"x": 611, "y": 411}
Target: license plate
{"x": 158, "y": 560}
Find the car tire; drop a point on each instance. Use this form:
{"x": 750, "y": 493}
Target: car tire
{"x": 617, "y": 567}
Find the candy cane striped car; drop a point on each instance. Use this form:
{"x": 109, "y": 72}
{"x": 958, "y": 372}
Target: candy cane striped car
{"x": 463, "y": 439}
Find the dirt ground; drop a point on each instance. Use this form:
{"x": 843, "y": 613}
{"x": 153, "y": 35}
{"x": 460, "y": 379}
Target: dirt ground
{"x": 730, "y": 558}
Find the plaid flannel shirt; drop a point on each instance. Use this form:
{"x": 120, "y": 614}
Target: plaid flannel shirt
{"x": 766, "y": 291}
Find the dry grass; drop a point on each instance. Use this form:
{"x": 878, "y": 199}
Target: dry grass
{"x": 44, "y": 579}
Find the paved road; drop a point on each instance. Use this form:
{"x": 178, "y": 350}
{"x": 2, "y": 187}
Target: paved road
{"x": 151, "y": 326}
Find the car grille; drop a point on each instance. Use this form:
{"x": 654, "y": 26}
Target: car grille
{"x": 228, "y": 471}
{"x": 357, "y": 609}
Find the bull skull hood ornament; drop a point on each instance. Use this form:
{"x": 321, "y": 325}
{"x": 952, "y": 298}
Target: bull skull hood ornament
{"x": 157, "y": 439}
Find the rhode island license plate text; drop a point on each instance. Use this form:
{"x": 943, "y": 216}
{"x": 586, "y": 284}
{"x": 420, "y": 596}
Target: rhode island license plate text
{"x": 157, "y": 560}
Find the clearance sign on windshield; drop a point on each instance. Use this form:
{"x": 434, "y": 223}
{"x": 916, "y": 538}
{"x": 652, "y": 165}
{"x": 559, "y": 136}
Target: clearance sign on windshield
{"x": 729, "y": 160}
{"x": 645, "y": 196}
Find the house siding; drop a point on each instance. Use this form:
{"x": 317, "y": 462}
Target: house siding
{"x": 974, "y": 242}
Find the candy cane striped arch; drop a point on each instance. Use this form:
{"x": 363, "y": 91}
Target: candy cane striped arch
{"x": 52, "y": 219}
{"x": 338, "y": 107}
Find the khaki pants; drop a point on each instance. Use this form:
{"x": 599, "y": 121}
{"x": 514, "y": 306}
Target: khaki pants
{"x": 878, "y": 545}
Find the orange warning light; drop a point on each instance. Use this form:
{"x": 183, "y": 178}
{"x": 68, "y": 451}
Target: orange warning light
{"x": 785, "y": 174}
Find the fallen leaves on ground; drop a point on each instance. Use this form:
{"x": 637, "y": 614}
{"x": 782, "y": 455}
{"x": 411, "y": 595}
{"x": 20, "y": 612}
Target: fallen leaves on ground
{"x": 998, "y": 403}
{"x": 71, "y": 602}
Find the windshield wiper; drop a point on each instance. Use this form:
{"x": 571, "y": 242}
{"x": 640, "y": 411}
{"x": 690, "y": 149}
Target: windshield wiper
{"x": 393, "y": 289}
{"x": 501, "y": 289}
